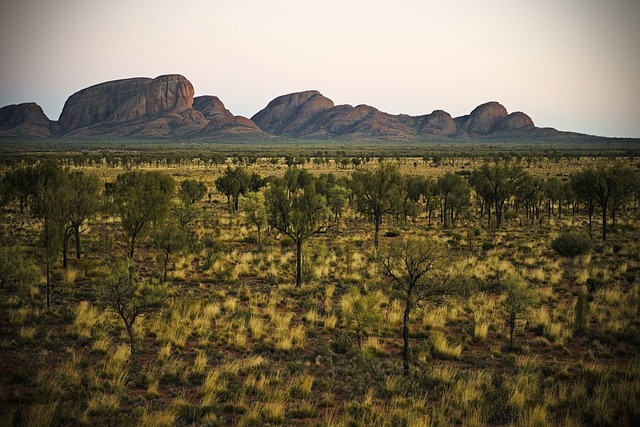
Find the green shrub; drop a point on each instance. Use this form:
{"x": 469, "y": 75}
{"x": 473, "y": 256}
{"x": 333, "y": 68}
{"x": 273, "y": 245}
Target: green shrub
{"x": 572, "y": 244}
{"x": 392, "y": 233}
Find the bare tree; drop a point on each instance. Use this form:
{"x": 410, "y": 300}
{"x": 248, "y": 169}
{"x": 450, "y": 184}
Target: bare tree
{"x": 130, "y": 298}
{"x": 419, "y": 274}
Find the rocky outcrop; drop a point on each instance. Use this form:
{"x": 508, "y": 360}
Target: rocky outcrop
{"x": 438, "y": 123}
{"x": 221, "y": 119}
{"x": 166, "y": 107}
{"x": 289, "y": 114}
{"x": 119, "y": 100}
{"x": 160, "y": 107}
{"x": 310, "y": 114}
{"x": 484, "y": 117}
{"x": 514, "y": 121}
{"x": 25, "y": 119}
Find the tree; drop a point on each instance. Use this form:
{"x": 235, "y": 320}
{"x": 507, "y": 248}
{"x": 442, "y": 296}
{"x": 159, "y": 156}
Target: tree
{"x": 130, "y": 298}
{"x": 191, "y": 191}
{"x": 17, "y": 274}
{"x": 255, "y": 212}
{"x": 234, "y": 182}
{"x": 85, "y": 201}
{"x": 141, "y": 198}
{"x": 337, "y": 198}
{"x": 378, "y": 192}
{"x": 416, "y": 271}
{"x": 19, "y": 183}
{"x": 361, "y": 311}
{"x": 299, "y": 216}
{"x": 519, "y": 297}
{"x": 169, "y": 237}
{"x": 583, "y": 184}
{"x": 454, "y": 191}
{"x": 495, "y": 183}
{"x": 555, "y": 192}
{"x": 609, "y": 187}
{"x": 51, "y": 205}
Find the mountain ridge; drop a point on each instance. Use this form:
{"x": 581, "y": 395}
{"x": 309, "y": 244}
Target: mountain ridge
{"x": 166, "y": 107}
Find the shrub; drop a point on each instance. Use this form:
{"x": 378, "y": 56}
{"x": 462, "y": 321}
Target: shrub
{"x": 392, "y": 233}
{"x": 572, "y": 244}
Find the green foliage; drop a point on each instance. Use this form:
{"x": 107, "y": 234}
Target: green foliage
{"x": 361, "y": 312}
{"x": 141, "y": 198}
{"x": 378, "y": 192}
{"x": 191, "y": 191}
{"x": 298, "y": 215}
{"x": 129, "y": 297}
{"x": 255, "y": 212}
{"x": 519, "y": 298}
{"x": 572, "y": 244}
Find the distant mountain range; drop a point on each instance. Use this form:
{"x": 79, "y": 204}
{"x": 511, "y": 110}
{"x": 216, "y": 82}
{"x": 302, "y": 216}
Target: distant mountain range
{"x": 165, "y": 107}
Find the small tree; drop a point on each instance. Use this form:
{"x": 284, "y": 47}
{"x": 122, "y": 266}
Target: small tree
{"x": 130, "y": 298}
{"x": 255, "y": 212}
{"x": 378, "y": 192}
{"x": 416, "y": 273}
{"x": 361, "y": 312}
{"x": 299, "y": 216}
{"x": 169, "y": 237}
{"x": 85, "y": 199}
{"x": 16, "y": 273}
{"x": 519, "y": 298}
{"x": 141, "y": 198}
{"x": 191, "y": 191}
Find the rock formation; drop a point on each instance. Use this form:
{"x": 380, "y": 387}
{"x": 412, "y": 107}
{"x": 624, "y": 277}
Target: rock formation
{"x": 309, "y": 114}
{"x": 160, "y": 107}
{"x": 484, "y": 117}
{"x": 26, "y": 119}
{"x": 165, "y": 107}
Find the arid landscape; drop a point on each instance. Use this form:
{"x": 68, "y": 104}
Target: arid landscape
{"x": 256, "y": 290}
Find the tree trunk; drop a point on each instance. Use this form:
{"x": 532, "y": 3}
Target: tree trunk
{"x": 604, "y": 222}
{"x": 77, "y": 232}
{"x": 298, "y": 262}
{"x": 512, "y": 329}
{"x": 65, "y": 250}
{"x": 48, "y": 284}
{"x": 166, "y": 263}
{"x": 405, "y": 336}
{"x": 376, "y": 221}
{"x": 132, "y": 342}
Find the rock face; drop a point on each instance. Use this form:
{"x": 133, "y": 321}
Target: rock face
{"x": 514, "y": 121}
{"x": 310, "y": 114}
{"x": 439, "y": 123}
{"x": 159, "y": 107}
{"x": 221, "y": 119}
{"x": 165, "y": 107}
{"x": 288, "y": 114}
{"x": 26, "y": 119}
{"x": 484, "y": 117}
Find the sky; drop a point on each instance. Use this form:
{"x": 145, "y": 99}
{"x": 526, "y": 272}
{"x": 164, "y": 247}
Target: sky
{"x": 569, "y": 64}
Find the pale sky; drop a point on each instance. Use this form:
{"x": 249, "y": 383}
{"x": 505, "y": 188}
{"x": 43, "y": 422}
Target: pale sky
{"x": 569, "y": 64}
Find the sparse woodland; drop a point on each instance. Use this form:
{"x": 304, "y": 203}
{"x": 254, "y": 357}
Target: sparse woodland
{"x": 320, "y": 291}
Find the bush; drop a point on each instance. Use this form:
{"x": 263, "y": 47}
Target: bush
{"x": 572, "y": 244}
{"x": 392, "y": 233}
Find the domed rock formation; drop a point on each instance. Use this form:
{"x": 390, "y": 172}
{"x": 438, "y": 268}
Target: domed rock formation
{"x": 514, "y": 121}
{"x": 158, "y": 107}
{"x": 484, "y": 117}
{"x": 24, "y": 119}
{"x": 439, "y": 123}
{"x": 288, "y": 114}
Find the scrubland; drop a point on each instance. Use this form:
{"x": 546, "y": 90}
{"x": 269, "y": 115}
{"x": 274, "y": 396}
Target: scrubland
{"x": 237, "y": 343}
